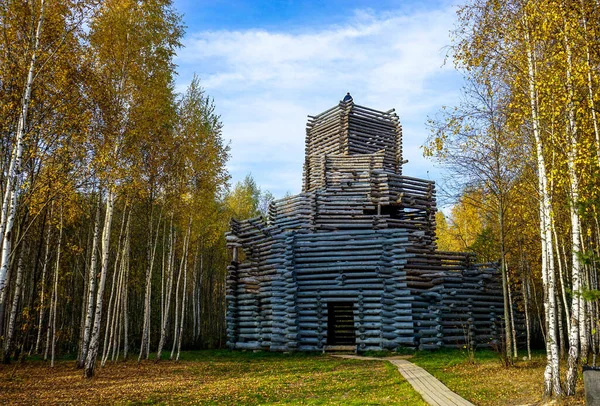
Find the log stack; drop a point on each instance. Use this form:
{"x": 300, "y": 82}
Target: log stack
{"x": 360, "y": 234}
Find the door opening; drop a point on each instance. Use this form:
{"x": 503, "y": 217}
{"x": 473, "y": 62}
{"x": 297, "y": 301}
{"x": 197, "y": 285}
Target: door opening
{"x": 340, "y": 323}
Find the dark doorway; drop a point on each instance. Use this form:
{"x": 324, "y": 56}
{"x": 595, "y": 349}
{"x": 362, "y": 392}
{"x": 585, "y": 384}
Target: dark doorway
{"x": 340, "y": 323}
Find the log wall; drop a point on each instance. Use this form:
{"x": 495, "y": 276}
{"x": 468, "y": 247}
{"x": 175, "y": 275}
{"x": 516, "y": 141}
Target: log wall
{"x": 360, "y": 233}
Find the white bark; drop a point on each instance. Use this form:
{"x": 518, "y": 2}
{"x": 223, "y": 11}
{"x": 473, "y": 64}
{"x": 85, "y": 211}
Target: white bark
{"x": 145, "y": 345}
{"x": 125, "y": 290}
{"x": 552, "y": 372}
{"x": 111, "y": 316}
{"x": 577, "y": 321}
{"x": 512, "y": 317}
{"x": 43, "y": 291}
{"x": 184, "y": 293}
{"x": 92, "y": 354}
{"x": 590, "y": 82}
{"x": 91, "y": 288}
{"x": 169, "y": 288}
{"x": 525, "y": 289}
{"x": 55, "y": 290}
{"x": 562, "y": 281}
{"x": 9, "y": 336}
{"x": 176, "y": 324}
{"x": 121, "y": 306}
{"x": 11, "y": 192}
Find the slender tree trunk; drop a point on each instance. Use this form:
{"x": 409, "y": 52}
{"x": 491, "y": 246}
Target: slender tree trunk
{"x": 525, "y": 288}
{"x": 11, "y": 192}
{"x": 169, "y": 288}
{"x": 49, "y": 329}
{"x": 125, "y": 290}
{"x": 577, "y": 312}
{"x": 55, "y": 290}
{"x": 562, "y": 281}
{"x": 195, "y": 296}
{"x": 111, "y": 316}
{"x": 86, "y": 288}
{"x": 583, "y": 324}
{"x": 10, "y": 333}
{"x": 90, "y": 362}
{"x": 552, "y": 372}
{"x": 85, "y": 345}
{"x": 561, "y": 332}
{"x": 145, "y": 346}
{"x": 505, "y": 287}
{"x": 176, "y": 324}
{"x": 43, "y": 291}
{"x": 590, "y": 83}
{"x": 512, "y": 317}
{"x": 162, "y": 278}
{"x": 184, "y": 292}
{"x": 122, "y": 288}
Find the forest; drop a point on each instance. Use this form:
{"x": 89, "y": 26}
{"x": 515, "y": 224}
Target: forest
{"x": 523, "y": 152}
{"x": 116, "y": 195}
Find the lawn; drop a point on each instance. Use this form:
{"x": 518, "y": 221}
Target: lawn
{"x": 229, "y": 378}
{"x": 212, "y": 378}
{"x": 487, "y": 382}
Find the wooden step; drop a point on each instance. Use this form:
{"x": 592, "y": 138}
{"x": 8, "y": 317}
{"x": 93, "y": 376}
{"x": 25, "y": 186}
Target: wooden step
{"x": 339, "y": 348}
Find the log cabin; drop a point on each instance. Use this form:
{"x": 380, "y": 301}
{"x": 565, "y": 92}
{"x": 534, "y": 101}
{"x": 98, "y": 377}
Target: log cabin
{"x": 351, "y": 262}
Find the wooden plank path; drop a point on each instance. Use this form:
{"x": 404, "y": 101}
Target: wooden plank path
{"x": 431, "y": 390}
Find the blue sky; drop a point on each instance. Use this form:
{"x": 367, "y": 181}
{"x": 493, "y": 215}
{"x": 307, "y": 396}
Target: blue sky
{"x": 269, "y": 64}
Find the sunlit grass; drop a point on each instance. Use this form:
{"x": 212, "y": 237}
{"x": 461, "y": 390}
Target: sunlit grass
{"x": 487, "y": 382}
{"x": 213, "y": 377}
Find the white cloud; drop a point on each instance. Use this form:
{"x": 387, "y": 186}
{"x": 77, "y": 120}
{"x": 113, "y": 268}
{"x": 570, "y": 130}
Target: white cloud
{"x": 265, "y": 83}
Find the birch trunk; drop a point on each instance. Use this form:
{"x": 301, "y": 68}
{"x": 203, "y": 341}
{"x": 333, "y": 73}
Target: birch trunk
{"x": 562, "y": 281}
{"x": 110, "y": 317}
{"x": 145, "y": 345}
{"x": 43, "y": 291}
{"x": 195, "y": 296}
{"x": 508, "y": 327}
{"x": 552, "y": 372}
{"x": 169, "y": 289}
{"x": 91, "y": 288}
{"x": 125, "y": 291}
{"x": 10, "y": 333}
{"x": 525, "y": 289}
{"x": 590, "y": 82}
{"x": 577, "y": 321}
{"x": 117, "y": 321}
{"x": 561, "y": 332}
{"x": 90, "y": 361}
{"x": 162, "y": 276}
{"x": 183, "y": 294}
{"x": 583, "y": 323}
{"x": 512, "y": 317}
{"x": 9, "y": 202}
{"x": 55, "y": 290}
{"x": 176, "y": 324}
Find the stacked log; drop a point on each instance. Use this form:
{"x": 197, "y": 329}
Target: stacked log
{"x": 326, "y": 133}
{"x": 350, "y": 266}
{"x": 363, "y": 235}
{"x": 457, "y": 297}
{"x": 370, "y": 131}
{"x": 349, "y": 129}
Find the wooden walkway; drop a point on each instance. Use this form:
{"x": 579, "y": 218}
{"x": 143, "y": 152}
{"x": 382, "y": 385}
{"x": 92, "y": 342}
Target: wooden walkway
{"x": 431, "y": 390}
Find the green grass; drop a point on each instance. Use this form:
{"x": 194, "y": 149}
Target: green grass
{"x": 223, "y": 377}
{"x": 214, "y": 378}
{"x": 487, "y": 382}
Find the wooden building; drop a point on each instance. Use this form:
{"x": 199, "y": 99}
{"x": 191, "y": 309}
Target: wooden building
{"x": 352, "y": 260}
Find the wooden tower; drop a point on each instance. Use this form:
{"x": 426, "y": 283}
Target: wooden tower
{"x": 352, "y": 260}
